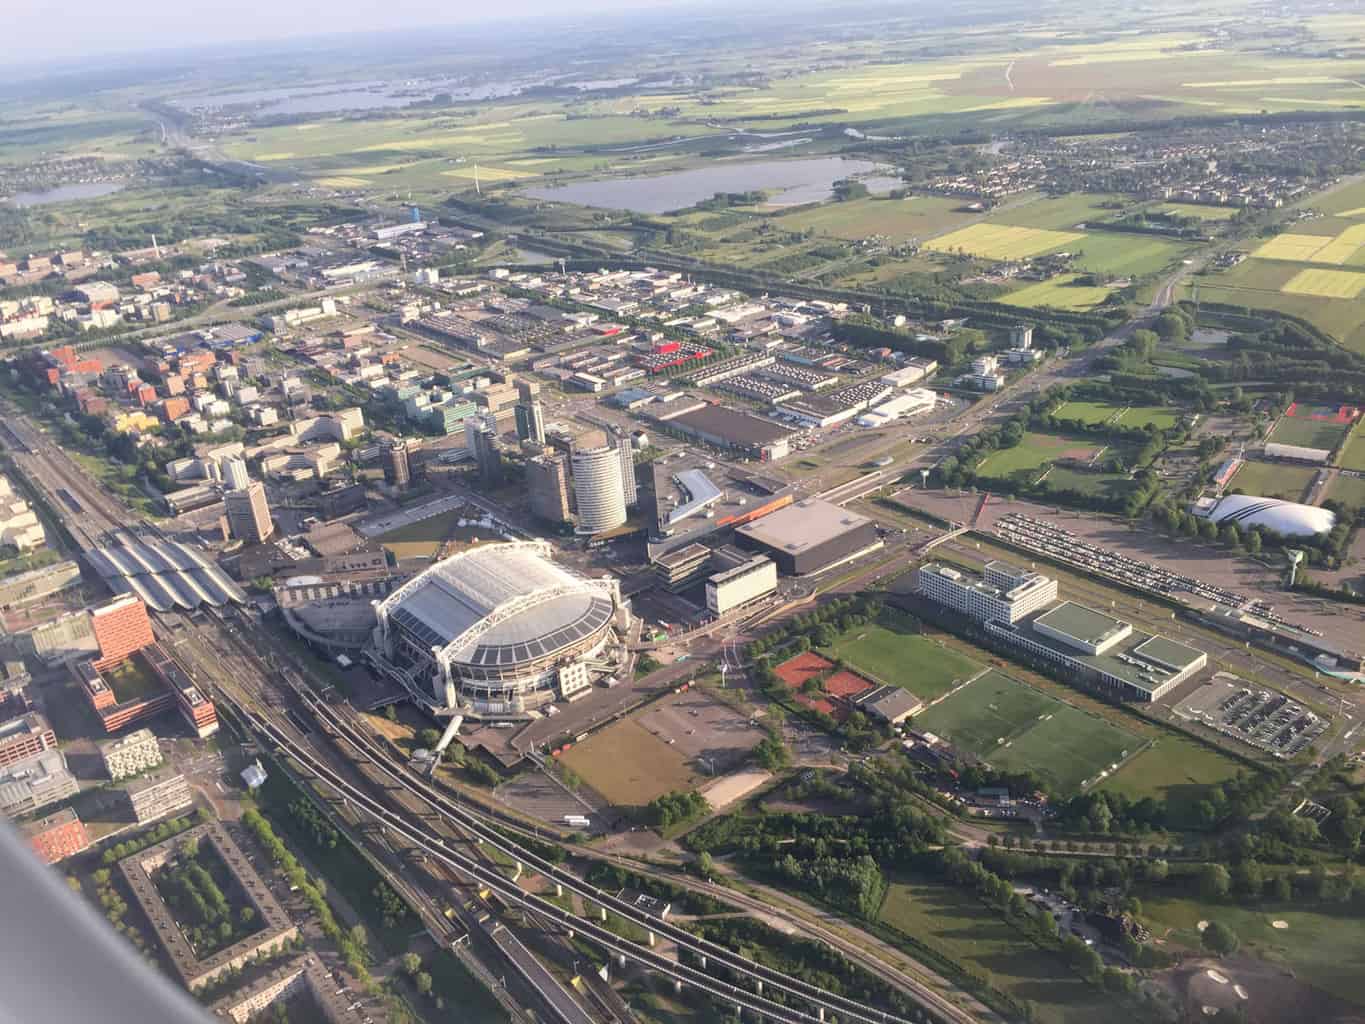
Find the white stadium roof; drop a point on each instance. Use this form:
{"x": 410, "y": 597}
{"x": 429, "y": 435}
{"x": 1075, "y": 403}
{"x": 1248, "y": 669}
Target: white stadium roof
{"x": 525, "y": 605}
{"x": 1285, "y": 517}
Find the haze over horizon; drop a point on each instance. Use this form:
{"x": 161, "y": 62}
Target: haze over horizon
{"x": 88, "y": 28}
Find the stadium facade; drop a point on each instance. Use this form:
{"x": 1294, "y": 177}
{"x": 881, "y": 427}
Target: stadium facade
{"x": 498, "y": 631}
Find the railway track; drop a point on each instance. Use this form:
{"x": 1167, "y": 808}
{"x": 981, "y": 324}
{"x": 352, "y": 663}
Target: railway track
{"x": 624, "y": 950}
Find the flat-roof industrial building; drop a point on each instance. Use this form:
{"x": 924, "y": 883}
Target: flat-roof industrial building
{"x": 733, "y": 430}
{"x": 810, "y": 536}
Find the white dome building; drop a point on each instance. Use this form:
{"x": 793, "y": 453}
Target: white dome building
{"x": 496, "y": 631}
{"x": 1284, "y": 517}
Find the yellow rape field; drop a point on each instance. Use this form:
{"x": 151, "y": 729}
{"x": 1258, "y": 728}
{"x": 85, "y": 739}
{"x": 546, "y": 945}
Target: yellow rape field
{"x": 1002, "y": 241}
{"x": 1327, "y": 284}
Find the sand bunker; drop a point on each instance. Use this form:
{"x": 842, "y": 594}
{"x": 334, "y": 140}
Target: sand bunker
{"x": 1215, "y": 976}
{"x": 1202, "y": 925}
{"x": 1282, "y": 925}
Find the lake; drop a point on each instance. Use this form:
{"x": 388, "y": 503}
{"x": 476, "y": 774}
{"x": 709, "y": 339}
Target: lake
{"x": 793, "y": 181}
{"x": 66, "y": 193}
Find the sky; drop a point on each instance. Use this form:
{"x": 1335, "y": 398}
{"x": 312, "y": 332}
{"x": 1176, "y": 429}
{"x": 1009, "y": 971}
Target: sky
{"x": 81, "y": 28}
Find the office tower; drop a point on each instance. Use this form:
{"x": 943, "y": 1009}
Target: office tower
{"x": 393, "y": 453}
{"x": 547, "y": 480}
{"x": 530, "y": 422}
{"x": 235, "y": 476}
{"x": 481, "y": 438}
{"x": 598, "y": 489}
{"x": 629, "y": 486}
{"x": 248, "y": 514}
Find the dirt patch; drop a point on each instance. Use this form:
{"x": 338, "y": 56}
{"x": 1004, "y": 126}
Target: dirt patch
{"x": 723, "y": 792}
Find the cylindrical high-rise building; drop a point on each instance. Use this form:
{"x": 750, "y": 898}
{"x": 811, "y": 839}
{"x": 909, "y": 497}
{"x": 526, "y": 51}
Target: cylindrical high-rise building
{"x": 393, "y": 453}
{"x": 598, "y": 487}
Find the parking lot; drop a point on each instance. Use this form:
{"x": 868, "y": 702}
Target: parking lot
{"x": 1263, "y": 719}
{"x": 713, "y": 736}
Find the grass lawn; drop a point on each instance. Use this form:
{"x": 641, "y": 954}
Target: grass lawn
{"x": 1175, "y": 769}
{"x": 424, "y": 539}
{"x": 915, "y": 217}
{"x": 1062, "y": 292}
{"x": 629, "y": 765}
{"x": 891, "y": 650}
{"x": 1307, "y": 432}
{"x": 1035, "y": 450}
{"x": 1124, "y": 254}
{"x": 1063, "y": 213}
{"x": 1273, "y": 480}
{"x": 1119, "y": 415}
{"x": 133, "y": 680}
{"x": 1353, "y": 454}
{"x": 950, "y": 921}
{"x": 1014, "y": 726}
{"x": 1196, "y": 210}
{"x": 1324, "y": 947}
{"x": 1349, "y": 490}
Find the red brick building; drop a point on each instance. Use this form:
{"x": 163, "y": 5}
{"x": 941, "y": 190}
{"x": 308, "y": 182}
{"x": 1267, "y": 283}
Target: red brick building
{"x": 57, "y": 836}
{"x": 121, "y": 627}
{"x": 25, "y": 736}
{"x": 173, "y": 408}
{"x": 175, "y": 384}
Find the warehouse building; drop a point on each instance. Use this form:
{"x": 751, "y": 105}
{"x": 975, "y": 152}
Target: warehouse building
{"x": 731, "y": 430}
{"x": 810, "y": 536}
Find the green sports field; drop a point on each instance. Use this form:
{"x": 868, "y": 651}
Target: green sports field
{"x": 1273, "y": 480}
{"x": 1349, "y": 490}
{"x": 1309, "y": 433}
{"x": 1353, "y": 453}
{"x": 1126, "y": 255}
{"x": 1175, "y": 770}
{"x": 891, "y": 650}
{"x": 1119, "y": 415}
{"x": 1016, "y": 727}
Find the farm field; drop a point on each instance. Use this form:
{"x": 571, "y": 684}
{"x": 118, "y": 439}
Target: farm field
{"x": 1016, "y": 727}
{"x": 1335, "y": 250}
{"x": 892, "y": 650}
{"x": 1176, "y": 770}
{"x": 1326, "y": 284}
{"x": 1002, "y": 241}
{"x": 1064, "y": 213}
{"x": 1127, "y": 255}
{"x": 629, "y": 765}
{"x": 1260, "y": 284}
{"x": 1062, "y": 292}
{"x": 1120, "y": 415}
{"x": 1308, "y": 426}
{"x": 957, "y": 925}
{"x": 1273, "y": 480}
{"x": 899, "y": 219}
{"x": 1323, "y": 946}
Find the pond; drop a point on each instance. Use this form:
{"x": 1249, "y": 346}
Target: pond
{"x": 788, "y": 182}
{"x": 66, "y": 193}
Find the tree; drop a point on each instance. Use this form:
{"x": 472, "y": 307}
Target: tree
{"x": 423, "y": 981}
{"x": 412, "y": 963}
{"x": 1208, "y": 529}
{"x": 359, "y": 936}
{"x": 1214, "y": 882}
{"x": 1219, "y": 939}
{"x": 706, "y": 867}
{"x": 1254, "y": 542}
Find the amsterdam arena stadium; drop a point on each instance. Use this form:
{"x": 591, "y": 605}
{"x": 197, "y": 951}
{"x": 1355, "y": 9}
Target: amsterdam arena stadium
{"x": 498, "y": 631}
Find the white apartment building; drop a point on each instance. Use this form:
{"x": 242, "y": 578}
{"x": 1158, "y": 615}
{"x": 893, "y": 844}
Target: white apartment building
{"x": 130, "y": 755}
{"x": 19, "y": 525}
{"x": 728, "y": 590}
{"x": 1002, "y": 593}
